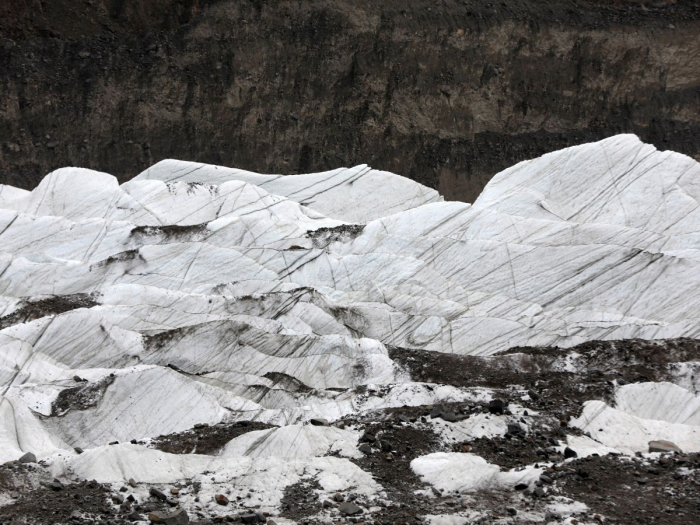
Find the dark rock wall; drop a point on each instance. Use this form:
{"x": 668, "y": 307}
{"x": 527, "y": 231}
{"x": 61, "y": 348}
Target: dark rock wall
{"x": 447, "y": 93}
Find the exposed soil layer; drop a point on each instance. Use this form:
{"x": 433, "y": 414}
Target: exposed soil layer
{"x": 205, "y": 439}
{"x": 446, "y": 92}
{"x": 635, "y": 490}
{"x": 81, "y": 397}
{"x": 548, "y": 383}
{"x": 394, "y": 446}
{"x": 300, "y": 502}
{"x": 88, "y": 501}
{"x": 37, "y": 309}
{"x": 558, "y": 388}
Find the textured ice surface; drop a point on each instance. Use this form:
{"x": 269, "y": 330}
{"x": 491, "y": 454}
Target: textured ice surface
{"x": 222, "y": 295}
{"x": 450, "y": 471}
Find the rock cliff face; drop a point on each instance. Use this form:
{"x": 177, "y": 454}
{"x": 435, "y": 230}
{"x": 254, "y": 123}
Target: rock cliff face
{"x": 447, "y": 93}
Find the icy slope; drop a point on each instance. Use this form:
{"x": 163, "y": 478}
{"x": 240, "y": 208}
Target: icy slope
{"x": 198, "y": 295}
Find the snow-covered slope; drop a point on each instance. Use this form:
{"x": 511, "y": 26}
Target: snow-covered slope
{"x": 210, "y": 295}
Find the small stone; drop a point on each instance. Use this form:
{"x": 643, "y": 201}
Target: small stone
{"x": 386, "y": 446}
{"x": 318, "y": 422}
{"x": 134, "y": 516}
{"x": 338, "y": 497}
{"x": 174, "y": 491}
{"x": 662, "y": 445}
{"x": 436, "y": 411}
{"x": 511, "y": 511}
{"x": 118, "y": 499}
{"x": 78, "y": 450}
{"x": 449, "y": 416}
{"x": 514, "y": 428}
{"x": 178, "y": 517}
{"x": 365, "y": 448}
{"x": 533, "y": 395}
{"x": 368, "y": 437}
{"x": 221, "y": 499}
{"x": 521, "y": 486}
{"x": 157, "y": 494}
{"x": 569, "y": 453}
{"x": 29, "y": 457}
{"x": 132, "y": 483}
{"x": 84, "y": 54}
{"x": 546, "y": 479}
{"x": 56, "y": 485}
{"x": 249, "y": 517}
{"x": 497, "y": 406}
{"x": 539, "y": 492}
{"x": 349, "y": 508}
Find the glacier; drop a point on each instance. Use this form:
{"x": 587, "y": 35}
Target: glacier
{"x": 197, "y": 294}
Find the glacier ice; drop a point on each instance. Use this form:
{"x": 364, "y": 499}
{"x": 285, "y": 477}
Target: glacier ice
{"x": 221, "y": 295}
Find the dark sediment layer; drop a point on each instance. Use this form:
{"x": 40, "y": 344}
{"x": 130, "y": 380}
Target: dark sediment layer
{"x": 447, "y": 93}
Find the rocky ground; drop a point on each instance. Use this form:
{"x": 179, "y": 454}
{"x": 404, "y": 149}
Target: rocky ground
{"x": 608, "y": 488}
{"x": 446, "y": 92}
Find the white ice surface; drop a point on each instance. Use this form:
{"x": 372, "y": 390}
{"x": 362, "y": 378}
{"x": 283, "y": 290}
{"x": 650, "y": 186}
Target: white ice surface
{"x": 644, "y": 412}
{"x": 223, "y": 295}
{"x": 456, "y": 472}
{"x": 294, "y": 442}
{"x": 356, "y": 194}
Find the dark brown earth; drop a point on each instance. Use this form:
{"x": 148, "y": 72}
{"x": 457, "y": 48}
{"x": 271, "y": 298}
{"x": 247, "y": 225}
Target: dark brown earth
{"x": 35, "y": 502}
{"x": 35, "y": 309}
{"x": 616, "y": 489}
{"x": 205, "y": 439}
{"x": 81, "y": 397}
{"x": 632, "y": 490}
{"x": 540, "y": 369}
{"x": 446, "y": 92}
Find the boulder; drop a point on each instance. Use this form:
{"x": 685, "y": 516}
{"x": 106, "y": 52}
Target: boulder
{"x": 177, "y": 517}
{"x": 497, "y": 406}
{"x": 661, "y": 445}
{"x": 29, "y": 457}
{"x": 349, "y": 508}
{"x": 569, "y": 453}
{"x": 157, "y": 494}
{"x": 250, "y": 517}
